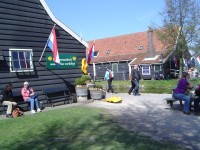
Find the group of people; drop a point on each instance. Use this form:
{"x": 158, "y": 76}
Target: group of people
{"x": 27, "y": 93}
{"x": 134, "y": 78}
{"x": 181, "y": 92}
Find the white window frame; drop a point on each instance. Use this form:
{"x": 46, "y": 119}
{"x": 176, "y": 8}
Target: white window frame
{"x": 115, "y": 70}
{"x": 12, "y": 69}
{"x": 149, "y": 70}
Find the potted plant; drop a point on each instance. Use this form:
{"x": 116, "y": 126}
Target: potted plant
{"x": 97, "y": 92}
{"x": 88, "y": 81}
{"x": 81, "y": 88}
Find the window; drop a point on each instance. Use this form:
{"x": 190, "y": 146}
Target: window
{"x": 21, "y": 60}
{"x": 96, "y": 53}
{"x": 146, "y": 70}
{"x": 157, "y": 68}
{"x": 115, "y": 67}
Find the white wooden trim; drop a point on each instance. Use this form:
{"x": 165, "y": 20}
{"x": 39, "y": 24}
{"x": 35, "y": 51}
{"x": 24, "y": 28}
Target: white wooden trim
{"x": 20, "y": 70}
{"x": 58, "y": 22}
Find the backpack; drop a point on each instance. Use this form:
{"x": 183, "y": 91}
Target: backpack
{"x": 110, "y": 74}
{"x": 16, "y": 113}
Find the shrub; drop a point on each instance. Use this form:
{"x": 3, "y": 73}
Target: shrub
{"x": 79, "y": 81}
{"x": 86, "y": 78}
{"x": 98, "y": 86}
{"x": 82, "y": 80}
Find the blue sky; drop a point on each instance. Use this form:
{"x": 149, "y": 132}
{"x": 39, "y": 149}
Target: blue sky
{"x": 96, "y": 19}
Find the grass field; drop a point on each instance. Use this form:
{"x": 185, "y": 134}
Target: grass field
{"x": 146, "y": 86}
{"x": 76, "y": 128}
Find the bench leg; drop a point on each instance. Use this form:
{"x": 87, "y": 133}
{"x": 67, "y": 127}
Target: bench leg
{"x": 4, "y": 109}
{"x": 171, "y": 104}
{"x": 50, "y": 103}
{"x": 71, "y": 99}
{"x": 181, "y": 103}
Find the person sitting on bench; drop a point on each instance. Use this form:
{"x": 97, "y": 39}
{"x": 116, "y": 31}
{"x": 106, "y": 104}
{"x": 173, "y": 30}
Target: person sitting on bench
{"x": 180, "y": 92}
{"x": 29, "y": 95}
{"x": 7, "y": 97}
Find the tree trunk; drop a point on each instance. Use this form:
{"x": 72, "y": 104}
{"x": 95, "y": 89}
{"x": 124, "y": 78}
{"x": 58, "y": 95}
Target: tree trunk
{"x": 180, "y": 67}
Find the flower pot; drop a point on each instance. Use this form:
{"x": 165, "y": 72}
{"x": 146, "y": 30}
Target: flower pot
{"x": 82, "y": 91}
{"x": 96, "y": 94}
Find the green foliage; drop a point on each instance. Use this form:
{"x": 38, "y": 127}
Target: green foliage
{"x": 146, "y": 86}
{"x": 82, "y": 80}
{"x": 85, "y": 77}
{"x": 81, "y": 129}
{"x": 98, "y": 86}
{"x": 79, "y": 81}
{"x": 181, "y": 24}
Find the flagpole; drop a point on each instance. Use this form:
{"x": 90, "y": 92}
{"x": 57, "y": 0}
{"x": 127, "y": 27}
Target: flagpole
{"x": 94, "y": 71}
{"x": 46, "y": 43}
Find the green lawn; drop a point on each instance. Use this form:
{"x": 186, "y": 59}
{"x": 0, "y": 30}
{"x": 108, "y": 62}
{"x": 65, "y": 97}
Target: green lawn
{"x": 77, "y": 128}
{"x": 146, "y": 86}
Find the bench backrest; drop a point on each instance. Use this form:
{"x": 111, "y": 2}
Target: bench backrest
{"x": 53, "y": 92}
{"x": 17, "y": 96}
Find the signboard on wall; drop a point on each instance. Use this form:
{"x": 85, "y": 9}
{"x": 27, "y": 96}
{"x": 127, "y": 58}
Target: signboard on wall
{"x": 66, "y": 61}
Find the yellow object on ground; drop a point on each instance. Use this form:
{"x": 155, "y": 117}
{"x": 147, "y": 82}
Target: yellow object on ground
{"x": 114, "y": 99}
{"x": 84, "y": 65}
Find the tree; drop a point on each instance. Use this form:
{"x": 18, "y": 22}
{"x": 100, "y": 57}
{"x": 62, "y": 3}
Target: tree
{"x": 181, "y": 23}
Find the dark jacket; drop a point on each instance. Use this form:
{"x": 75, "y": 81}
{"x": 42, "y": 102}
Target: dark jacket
{"x": 197, "y": 91}
{"x": 135, "y": 74}
{"x": 7, "y": 95}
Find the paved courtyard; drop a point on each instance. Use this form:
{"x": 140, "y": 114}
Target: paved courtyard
{"x": 150, "y": 115}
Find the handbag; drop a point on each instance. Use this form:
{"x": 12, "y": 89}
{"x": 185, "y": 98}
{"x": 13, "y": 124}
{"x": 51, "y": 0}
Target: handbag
{"x": 16, "y": 113}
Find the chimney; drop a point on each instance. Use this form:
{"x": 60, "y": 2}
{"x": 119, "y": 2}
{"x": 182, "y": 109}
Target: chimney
{"x": 150, "y": 48}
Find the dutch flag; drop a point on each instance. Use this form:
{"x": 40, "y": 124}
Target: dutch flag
{"x": 90, "y": 55}
{"x": 52, "y": 44}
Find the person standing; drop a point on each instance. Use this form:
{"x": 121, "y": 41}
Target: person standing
{"x": 7, "y": 97}
{"x": 132, "y": 84}
{"x": 135, "y": 78}
{"x": 180, "y": 92}
{"x": 109, "y": 76}
{"x": 29, "y": 95}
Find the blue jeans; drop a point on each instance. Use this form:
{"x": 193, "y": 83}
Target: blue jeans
{"x": 136, "y": 89}
{"x": 185, "y": 98}
{"x": 33, "y": 101}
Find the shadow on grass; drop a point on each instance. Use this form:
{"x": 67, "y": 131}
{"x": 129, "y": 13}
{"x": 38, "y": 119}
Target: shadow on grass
{"x": 89, "y": 132}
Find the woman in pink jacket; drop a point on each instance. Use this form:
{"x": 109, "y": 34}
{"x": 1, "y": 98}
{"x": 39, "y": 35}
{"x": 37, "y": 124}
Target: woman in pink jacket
{"x": 29, "y": 95}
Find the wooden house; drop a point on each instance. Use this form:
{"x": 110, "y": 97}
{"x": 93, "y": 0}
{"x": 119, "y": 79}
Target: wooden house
{"x": 25, "y": 26}
{"x": 120, "y": 53}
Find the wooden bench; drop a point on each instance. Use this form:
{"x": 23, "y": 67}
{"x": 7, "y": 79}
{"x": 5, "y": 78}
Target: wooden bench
{"x": 24, "y": 106}
{"x": 172, "y": 100}
{"x": 2, "y": 107}
{"x": 54, "y": 95}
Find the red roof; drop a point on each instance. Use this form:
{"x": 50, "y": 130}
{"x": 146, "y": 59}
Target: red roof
{"x": 125, "y": 48}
